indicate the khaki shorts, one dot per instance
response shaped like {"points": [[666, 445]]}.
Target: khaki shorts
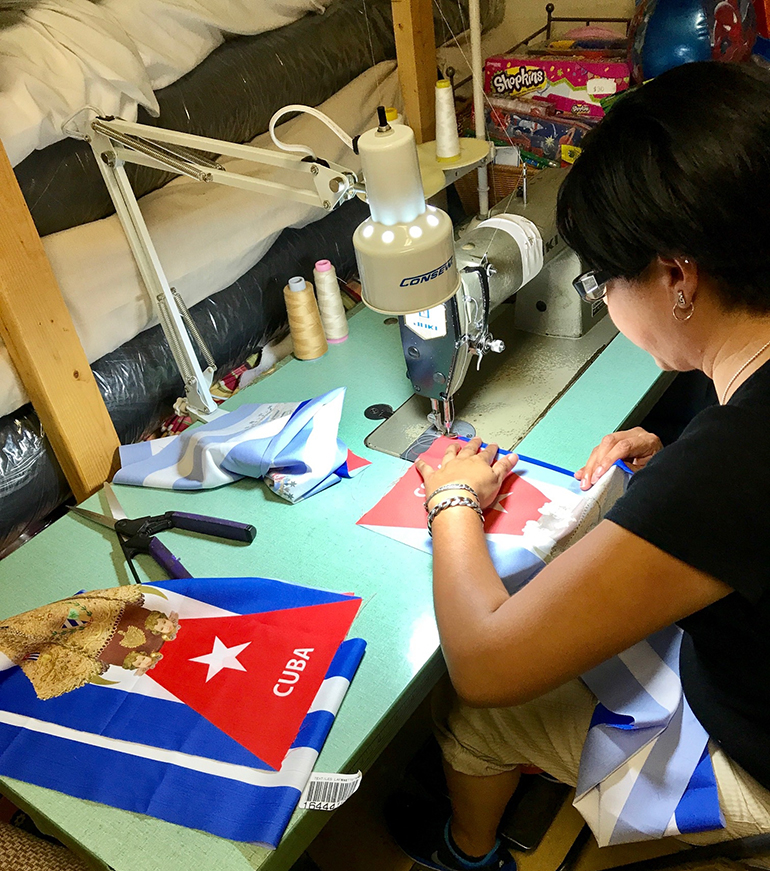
{"points": [[549, 732]]}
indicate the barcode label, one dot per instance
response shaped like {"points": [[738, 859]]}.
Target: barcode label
{"points": [[325, 792]]}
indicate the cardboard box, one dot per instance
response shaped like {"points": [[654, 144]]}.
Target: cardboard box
{"points": [[553, 137], [575, 85]]}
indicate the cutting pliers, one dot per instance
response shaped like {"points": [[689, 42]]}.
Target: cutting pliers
{"points": [[137, 535]]}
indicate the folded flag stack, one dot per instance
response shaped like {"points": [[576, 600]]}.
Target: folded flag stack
{"points": [[292, 445], [222, 734]]}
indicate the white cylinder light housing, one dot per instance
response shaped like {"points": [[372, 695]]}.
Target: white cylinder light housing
{"points": [[405, 250], [402, 272]]}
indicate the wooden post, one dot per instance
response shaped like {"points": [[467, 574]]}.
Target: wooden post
{"points": [[46, 351], [416, 56]]}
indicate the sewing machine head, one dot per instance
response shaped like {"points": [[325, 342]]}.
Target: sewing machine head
{"points": [[445, 292], [516, 252]]}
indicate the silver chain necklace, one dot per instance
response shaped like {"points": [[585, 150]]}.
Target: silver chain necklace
{"points": [[747, 363]]}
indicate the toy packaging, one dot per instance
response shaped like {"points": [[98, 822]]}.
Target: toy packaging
{"points": [[536, 128], [571, 84]]}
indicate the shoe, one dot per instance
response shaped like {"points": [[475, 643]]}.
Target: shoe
{"points": [[421, 830]]}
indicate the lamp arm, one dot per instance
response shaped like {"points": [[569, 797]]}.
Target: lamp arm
{"points": [[115, 142], [141, 143], [198, 400]]}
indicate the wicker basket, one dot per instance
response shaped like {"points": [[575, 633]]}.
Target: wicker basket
{"points": [[503, 180]]}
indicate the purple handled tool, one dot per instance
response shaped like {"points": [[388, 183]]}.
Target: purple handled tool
{"points": [[137, 535]]}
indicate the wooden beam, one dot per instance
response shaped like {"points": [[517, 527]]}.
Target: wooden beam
{"points": [[416, 56], [46, 351]]}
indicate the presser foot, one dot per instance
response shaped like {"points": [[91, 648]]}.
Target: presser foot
{"points": [[408, 432]]}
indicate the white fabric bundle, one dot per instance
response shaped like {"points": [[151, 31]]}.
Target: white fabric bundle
{"points": [[60, 58], [67, 54], [174, 37]]}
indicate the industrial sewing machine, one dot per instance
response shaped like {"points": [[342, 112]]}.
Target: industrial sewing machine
{"points": [[515, 251], [445, 291]]}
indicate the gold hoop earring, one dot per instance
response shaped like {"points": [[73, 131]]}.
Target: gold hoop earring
{"points": [[679, 310]]}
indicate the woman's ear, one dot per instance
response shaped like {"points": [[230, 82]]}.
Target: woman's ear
{"points": [[680, 275]]}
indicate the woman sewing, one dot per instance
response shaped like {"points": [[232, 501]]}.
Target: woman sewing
{"points": [[669, 205]]}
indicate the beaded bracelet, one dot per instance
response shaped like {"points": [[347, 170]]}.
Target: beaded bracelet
{"points": [[444, 487], [453, 502]]}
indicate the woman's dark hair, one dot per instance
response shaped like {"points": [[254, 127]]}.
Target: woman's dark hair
{"points": [[679, 167]]}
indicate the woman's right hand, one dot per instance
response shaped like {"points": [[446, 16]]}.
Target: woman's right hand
{"points": [[636, 447]]}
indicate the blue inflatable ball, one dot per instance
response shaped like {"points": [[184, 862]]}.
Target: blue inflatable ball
{"points": [[667, 33]]}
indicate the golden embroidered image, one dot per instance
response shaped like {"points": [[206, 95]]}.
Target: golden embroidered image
{"points": [[131, 637], [165, 625], [62, 646], [141, 661]]}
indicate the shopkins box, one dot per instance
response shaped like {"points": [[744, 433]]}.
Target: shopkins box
{"points": [[551, 136], [570, 84]]}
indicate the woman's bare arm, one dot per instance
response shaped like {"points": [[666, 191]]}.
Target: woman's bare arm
{"points": [[608, 591]]}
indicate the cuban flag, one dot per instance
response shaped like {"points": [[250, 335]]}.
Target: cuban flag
{"points": [[539, 510], [645, 771], [222, 735], [292, 445]]}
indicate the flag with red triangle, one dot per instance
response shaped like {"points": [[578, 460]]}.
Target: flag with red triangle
{"points": [[277, 660], [537, 505], [204, 739]]}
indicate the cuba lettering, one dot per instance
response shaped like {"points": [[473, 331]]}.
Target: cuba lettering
{"points": [[290, 674]]}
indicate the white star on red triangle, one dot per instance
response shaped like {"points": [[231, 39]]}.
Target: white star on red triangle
{"points": [[221, 657]]}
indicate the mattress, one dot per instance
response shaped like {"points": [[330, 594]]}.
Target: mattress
{"points": [[206, 236], [113, 55], [230, 96]]}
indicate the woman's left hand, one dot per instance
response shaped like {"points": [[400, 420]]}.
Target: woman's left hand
{"points": [[472, 465]]}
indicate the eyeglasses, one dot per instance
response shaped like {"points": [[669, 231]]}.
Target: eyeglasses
{"points": [[592, 285]]}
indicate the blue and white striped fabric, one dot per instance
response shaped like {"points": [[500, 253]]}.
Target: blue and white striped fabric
{"points": [[134, 746], [645, 771], [293, 445]]}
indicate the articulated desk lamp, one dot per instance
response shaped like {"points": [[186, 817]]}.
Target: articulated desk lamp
{"points": [[409, 264]]}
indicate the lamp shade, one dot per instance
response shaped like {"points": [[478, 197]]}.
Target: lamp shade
{"points": [[406, 268], [405, 251]]}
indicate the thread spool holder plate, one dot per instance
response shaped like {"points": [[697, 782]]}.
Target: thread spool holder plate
{"points": [[438, 175]]}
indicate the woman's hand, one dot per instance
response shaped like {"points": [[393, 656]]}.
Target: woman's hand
{"points": [[636, 447], [468, 464]]}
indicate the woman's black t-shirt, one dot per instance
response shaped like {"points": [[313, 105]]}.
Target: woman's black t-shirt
{"points": [[705, 499]]}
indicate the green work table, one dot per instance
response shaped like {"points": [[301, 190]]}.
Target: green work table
{"points": [[315, 543]]}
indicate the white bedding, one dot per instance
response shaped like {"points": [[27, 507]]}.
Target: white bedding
{"points": [[207, 236], [112, 55]]}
